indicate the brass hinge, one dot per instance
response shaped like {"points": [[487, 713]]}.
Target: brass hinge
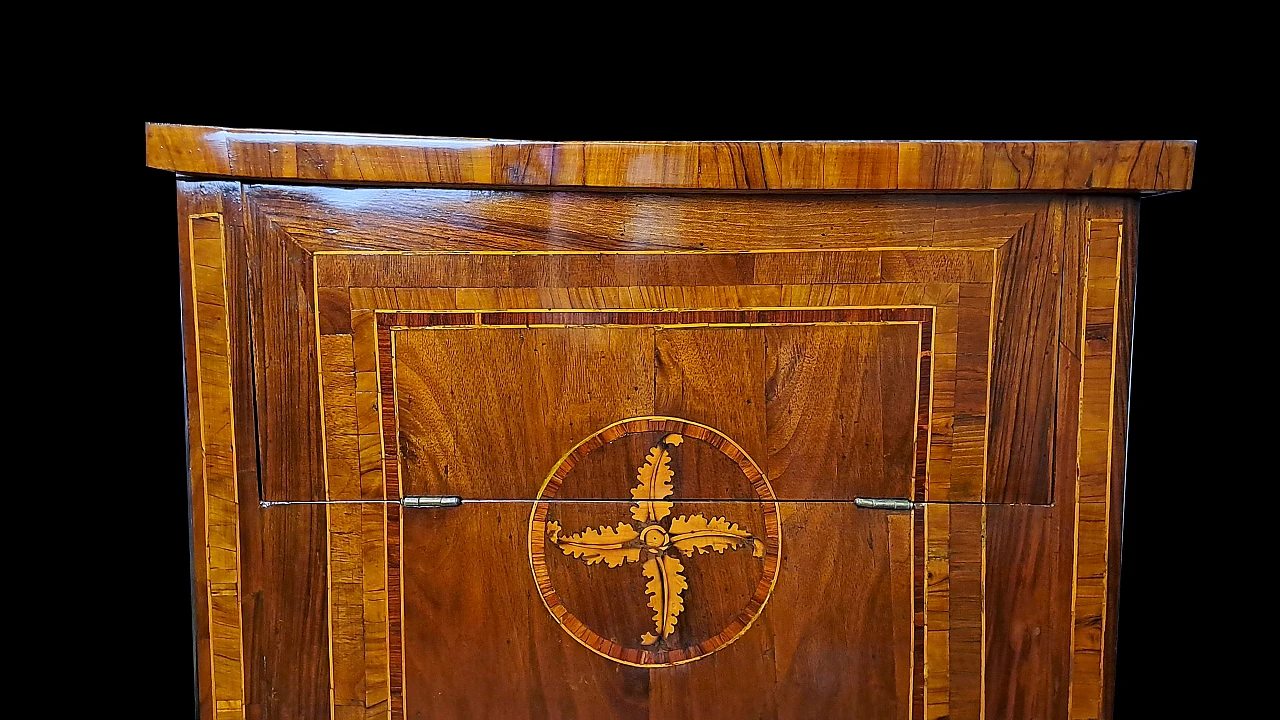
{"points": [[884, 503], [431, 501]]}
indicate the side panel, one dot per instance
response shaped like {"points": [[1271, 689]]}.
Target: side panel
{"points": [[260, 572], [1051, 572]]}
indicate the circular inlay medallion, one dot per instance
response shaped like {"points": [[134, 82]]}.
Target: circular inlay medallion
{"points": [[677, 572]]}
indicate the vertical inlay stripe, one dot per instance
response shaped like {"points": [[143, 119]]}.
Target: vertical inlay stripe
{"points": [[1099, 307], [206, 233]]}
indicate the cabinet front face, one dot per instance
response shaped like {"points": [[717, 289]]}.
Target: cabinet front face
{"points": [[658, 412]]}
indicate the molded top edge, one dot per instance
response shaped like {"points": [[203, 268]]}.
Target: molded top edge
{"points": [[1116, 166]]}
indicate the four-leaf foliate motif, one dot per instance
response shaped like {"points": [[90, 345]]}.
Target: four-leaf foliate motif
{"points": [[659, 543]]}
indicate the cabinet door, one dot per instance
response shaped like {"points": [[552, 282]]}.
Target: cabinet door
{"points": [[770, 359]]}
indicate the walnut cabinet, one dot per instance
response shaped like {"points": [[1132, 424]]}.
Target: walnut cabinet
{"points": [[500, 429]]}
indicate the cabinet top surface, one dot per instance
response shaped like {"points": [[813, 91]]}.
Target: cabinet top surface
{"points": [[1112, 166]]}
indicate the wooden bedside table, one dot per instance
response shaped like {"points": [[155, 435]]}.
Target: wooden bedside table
{"points": [[488, 428]]}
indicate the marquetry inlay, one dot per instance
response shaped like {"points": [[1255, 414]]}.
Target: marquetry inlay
{"points": [[657, 537]]}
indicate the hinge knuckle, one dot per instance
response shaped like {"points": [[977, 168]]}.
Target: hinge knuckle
{"points": [[431, 501], [884, 503]]}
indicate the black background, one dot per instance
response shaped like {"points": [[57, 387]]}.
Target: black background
{"points": [[1175, 578]]}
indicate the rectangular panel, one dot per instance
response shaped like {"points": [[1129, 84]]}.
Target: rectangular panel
{"points": [[828, 411], [479, 641]]}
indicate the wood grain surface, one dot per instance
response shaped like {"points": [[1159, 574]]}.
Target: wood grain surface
{"points": [[1096, 455], [189, 202], [215, 430], [759, 385], [286, 332], [796, 166], [325, 219], [969, 352], [962, 269], [480, 643], [282, 590], [1023, 376]]}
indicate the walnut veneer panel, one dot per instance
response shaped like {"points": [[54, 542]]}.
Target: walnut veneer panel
{"points": [[768, 386]]}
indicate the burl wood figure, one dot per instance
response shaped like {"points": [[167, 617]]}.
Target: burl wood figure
{"points": [[499, 429]]}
